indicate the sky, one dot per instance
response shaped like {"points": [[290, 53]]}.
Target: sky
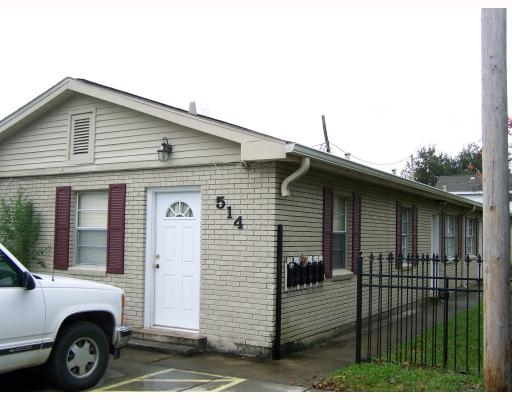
{"points": [[389, 80]]}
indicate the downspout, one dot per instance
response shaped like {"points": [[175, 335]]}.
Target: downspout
{"points": [[471, 211], [304, 167]]}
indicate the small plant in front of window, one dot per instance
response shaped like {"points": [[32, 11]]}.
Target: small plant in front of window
{"points": [[19, 229]]}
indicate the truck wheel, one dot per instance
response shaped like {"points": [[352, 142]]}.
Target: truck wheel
{"points": [[79, 357]]}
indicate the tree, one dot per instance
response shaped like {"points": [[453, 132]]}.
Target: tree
{"points": [[19, 228], [428, 166], [469, 160]]}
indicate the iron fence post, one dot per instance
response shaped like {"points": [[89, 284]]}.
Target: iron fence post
{"points": [[445, 321], [276, 351]]}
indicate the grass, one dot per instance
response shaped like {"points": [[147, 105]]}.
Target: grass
{"points": [[422, 351], [391, 377], [401, 375]]}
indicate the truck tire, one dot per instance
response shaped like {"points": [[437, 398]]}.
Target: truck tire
{"points": [[79, 357]]}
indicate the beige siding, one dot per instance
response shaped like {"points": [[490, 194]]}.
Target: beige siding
{"points": [[124, 137], [41, 145]]}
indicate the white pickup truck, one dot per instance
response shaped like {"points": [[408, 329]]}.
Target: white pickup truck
{"points": [[68, 325]]}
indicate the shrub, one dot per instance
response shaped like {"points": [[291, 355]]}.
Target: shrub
{"points": [[19, 229]]}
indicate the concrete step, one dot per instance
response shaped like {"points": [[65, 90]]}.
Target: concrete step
{"points": [[167, 341], [164, 348]]}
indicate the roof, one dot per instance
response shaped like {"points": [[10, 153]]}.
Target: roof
{"points": [[254, 146], [462, 183], [99, 85], [251, 141]]}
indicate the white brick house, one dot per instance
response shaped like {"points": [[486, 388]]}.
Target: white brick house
{"points": [[192, 240]]}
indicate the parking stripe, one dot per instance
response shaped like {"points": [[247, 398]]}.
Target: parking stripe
{"points": [[234, 382], [230, 381], [140, 378], [178, 380], [201, 373]]}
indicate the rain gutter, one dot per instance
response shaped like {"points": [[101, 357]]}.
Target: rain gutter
{"points": [[383, 177]]}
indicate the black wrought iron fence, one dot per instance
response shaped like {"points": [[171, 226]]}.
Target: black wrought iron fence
{"points": [[421, 310]]}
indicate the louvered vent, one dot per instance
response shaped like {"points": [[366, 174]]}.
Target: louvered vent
{"points": [[81, 133], [81, 137]]}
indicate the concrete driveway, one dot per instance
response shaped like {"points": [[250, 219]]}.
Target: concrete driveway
{"points": [[140, 370]]}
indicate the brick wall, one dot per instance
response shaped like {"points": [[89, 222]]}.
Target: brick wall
{"points": [[237, 311], [237, 265], [312, 314]]}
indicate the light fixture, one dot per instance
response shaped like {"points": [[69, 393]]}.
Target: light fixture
{"points": [[165, 150]]}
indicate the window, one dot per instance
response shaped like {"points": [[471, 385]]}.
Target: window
{"points": [[449, 236], [406, 235], [91, 228], [81, 137], [469, 237], [339, 232], [8, 272], [99, 238], [179, 210], [405, 231]]}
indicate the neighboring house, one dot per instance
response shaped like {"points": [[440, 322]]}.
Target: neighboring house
{"points": [[192, 240], [468, 186]]}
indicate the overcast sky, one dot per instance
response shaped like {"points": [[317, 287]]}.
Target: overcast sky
{"points": [[388, 80]]}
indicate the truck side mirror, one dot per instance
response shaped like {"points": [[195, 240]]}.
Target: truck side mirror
{"points": [[27, 281]]}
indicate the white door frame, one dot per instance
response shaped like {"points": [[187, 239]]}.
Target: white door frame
{"points": [[149, 289]]}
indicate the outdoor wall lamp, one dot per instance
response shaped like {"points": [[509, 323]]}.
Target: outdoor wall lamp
{"points": [[165, 150]]}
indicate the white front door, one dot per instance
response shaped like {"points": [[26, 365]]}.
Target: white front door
{"points": [[177, 259]]}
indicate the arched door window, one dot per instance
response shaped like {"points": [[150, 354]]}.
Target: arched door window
{"points": [[179, 209]]}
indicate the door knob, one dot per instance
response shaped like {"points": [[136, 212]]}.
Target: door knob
{"points": [[157, 265]]}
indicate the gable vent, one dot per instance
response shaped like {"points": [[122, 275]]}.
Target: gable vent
{"points": [[81, 133], [82, 137]]}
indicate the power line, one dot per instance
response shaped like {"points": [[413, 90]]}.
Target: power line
{"points": [[369, 162]]}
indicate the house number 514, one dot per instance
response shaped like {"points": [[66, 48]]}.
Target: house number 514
{"points": [[221, 203]]}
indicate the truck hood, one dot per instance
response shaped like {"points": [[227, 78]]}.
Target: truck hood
{"points": [[47, 281]]}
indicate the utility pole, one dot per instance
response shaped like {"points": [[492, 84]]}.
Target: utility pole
{"points": [[412, 167], [496, 209], [327, 144]]}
